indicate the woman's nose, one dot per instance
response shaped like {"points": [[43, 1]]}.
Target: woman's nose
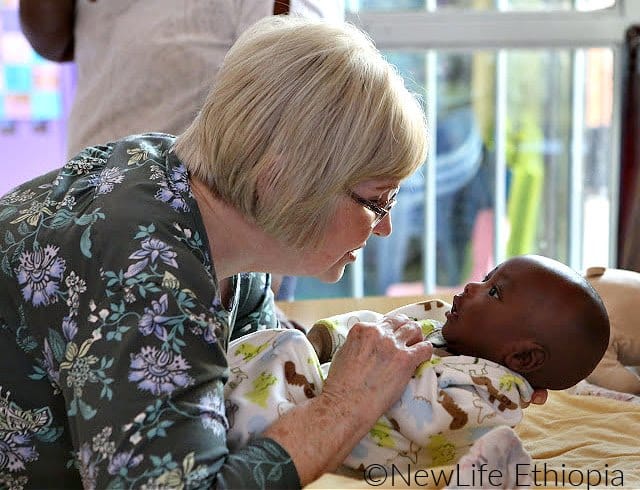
{"points": [[384, 227]]}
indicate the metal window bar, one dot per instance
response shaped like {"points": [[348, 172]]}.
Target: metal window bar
{"points": [[576, 175], [616, 131], [500, 191], [500, 183], [433, 29], [429, 238]]}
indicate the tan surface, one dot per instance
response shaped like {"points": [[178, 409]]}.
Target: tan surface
{"points": [[575, 436], [584, 433]]}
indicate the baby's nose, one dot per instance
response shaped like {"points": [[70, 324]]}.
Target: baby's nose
{"points": [[471, 287]]}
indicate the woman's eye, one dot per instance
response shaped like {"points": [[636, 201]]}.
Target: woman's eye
{"points": [[494, 292]]}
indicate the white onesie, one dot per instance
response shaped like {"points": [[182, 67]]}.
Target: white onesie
{"points": [[450, 402]]}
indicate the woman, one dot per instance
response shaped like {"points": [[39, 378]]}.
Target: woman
{"points": [[125, 273]]}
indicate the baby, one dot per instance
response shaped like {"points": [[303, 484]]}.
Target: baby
{"points": [[532, 323]]}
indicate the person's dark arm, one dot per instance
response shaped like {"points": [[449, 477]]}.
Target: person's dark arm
{"points": [[48, 25]]}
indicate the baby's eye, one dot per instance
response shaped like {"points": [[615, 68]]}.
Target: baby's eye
{"points": [[494, 292]]}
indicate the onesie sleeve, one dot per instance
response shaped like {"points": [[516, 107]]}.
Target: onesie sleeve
{"points": [[329, 334]]}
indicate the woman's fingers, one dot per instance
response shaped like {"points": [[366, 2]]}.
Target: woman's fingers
{"points": [[407, 336], [409, 333], [377, 358], [396, 321], [423, 351], [406, 330]]}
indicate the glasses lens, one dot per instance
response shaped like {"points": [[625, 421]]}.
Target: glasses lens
{"points": [[380, 211], [392, 200]]}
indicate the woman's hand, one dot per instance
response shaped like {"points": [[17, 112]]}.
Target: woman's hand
{"points": [[372, 368], [368, 374]]}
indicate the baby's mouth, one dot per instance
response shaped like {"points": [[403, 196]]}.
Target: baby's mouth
{"points": [[454, 311]]}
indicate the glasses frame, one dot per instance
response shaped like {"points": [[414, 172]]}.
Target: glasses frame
{"points": [[381, 211]]}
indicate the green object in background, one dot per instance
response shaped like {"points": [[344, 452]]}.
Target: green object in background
{"points": [[525, 202]]}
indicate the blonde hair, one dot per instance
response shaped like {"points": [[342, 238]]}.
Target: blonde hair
{"points": [[300, 112]]}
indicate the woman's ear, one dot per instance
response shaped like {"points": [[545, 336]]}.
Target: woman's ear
{"points": [[526, 356]]}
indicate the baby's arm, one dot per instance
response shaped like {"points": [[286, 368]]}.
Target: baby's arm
{"points": [[329, 334]]}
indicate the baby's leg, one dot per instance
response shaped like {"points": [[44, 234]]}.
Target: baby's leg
{"points": [[383, 446], [271, 371], [499, 451]]}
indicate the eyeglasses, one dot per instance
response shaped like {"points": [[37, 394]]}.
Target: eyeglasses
{"points": [[380, 211]]}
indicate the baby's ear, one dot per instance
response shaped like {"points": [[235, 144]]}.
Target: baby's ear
{"points": [[526, 356]]}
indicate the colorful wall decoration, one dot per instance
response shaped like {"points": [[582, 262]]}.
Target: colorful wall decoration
{"points": [[29, 84]]}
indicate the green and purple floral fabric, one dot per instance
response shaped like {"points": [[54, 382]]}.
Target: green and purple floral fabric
{"points": [[113, 337]]}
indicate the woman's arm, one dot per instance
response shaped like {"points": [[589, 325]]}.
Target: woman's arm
{"points": [[49, 25]]}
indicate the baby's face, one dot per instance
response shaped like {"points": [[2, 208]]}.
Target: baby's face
{"points": [[502, 308]]}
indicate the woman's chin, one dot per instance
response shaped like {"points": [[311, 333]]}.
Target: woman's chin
{"points": [[335, 272], [332, 275]]}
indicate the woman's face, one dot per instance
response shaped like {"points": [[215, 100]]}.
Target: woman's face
{"points": [[348, 231]]}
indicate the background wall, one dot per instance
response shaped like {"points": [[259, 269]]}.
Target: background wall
{"points": [[35, 97]]}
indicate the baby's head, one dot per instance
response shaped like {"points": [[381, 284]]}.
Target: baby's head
{"points": [[535, 316]]}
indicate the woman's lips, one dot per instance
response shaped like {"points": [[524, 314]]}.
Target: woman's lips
{"points": [[352, 254]]}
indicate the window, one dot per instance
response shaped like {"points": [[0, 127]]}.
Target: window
{"points": [[523, 99]]}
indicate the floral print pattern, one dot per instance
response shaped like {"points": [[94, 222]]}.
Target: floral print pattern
{"points": [[105, 181], [151, 249], [159, 371], [39, 275], [114, 327], [18, 429], [153, 320], [172, 189], [16, 449]]}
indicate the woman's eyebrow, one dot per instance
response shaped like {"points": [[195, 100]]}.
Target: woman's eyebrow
{"points": [[388, 185]]}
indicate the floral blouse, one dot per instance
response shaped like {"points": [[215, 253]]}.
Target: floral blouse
{"points": [[112, 334]]}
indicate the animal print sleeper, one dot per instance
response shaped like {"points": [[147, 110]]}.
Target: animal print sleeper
{"points": [[450, 402]]}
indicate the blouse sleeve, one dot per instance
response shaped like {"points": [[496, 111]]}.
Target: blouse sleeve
{"points": [[143, 382]]}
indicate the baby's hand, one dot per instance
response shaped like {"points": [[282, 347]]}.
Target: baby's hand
{"points": [[539, 396], [320, 339]]}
